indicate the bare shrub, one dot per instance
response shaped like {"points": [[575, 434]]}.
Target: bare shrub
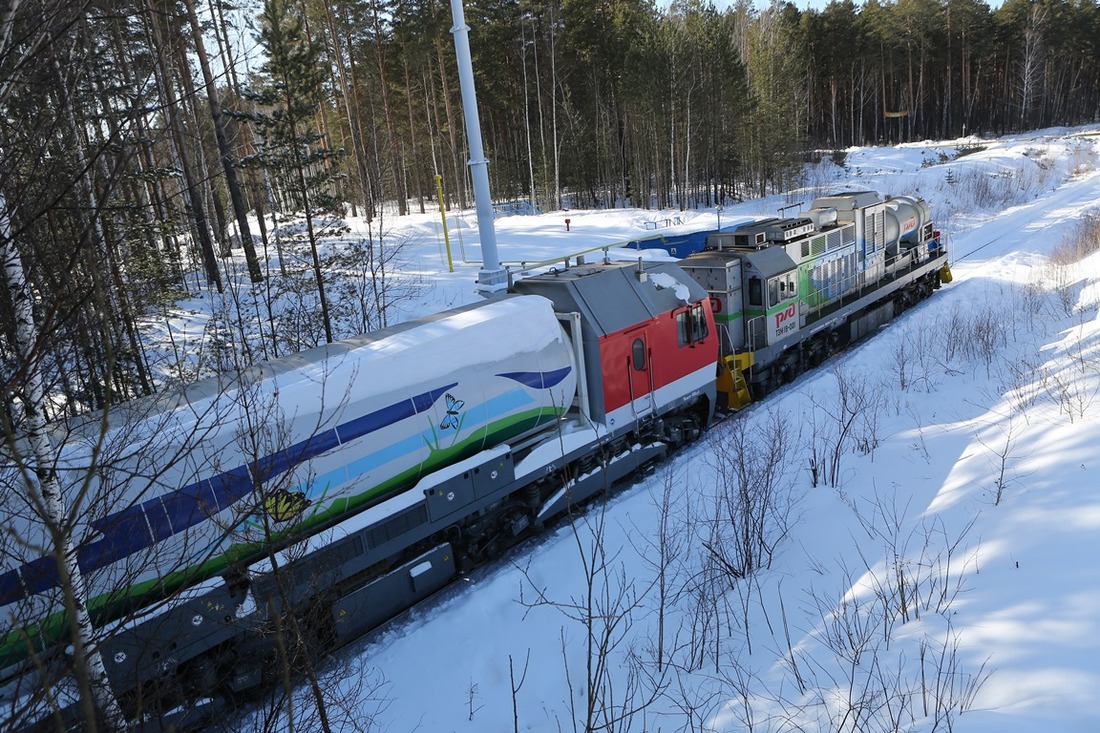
{"points": [[1002, 455], [947, 690], [978, 188], [664, 553], [1072, 384], [953, 330], [984, 336], [884, 691], [754, 499], [1084, 158], [1081, 242], [923, 566], [1062, 282], [847, 419], [1021, 381], [617, 685], [918, 357], [849, 626], [866, 680], [903, 363], [1059, 275], [1032, 301]]}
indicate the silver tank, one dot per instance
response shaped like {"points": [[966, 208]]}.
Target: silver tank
{"points": [[905, 218]]}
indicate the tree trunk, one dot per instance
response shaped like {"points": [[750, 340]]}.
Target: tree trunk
{"points": [[45, 498], [198, 212], [351, 109], [418, 185], [240, 211], [396, 168], [452, 125], [205, 180], [108, 250]]}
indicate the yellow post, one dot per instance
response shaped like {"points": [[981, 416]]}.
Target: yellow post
{"points": [[443, 215]]}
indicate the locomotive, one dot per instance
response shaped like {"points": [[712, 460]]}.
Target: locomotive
{"points": [[788, 292], [342, 485]]}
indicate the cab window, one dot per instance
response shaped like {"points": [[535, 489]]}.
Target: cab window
{"points": [[691, 325]]}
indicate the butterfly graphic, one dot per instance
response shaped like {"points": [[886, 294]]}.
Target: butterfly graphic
{"points": [[454, 406]]}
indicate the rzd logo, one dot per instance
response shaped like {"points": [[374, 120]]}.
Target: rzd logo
{"points": [[784, 315]]}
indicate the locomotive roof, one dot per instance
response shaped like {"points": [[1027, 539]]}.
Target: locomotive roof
{"points": [[770, 261], [612, 297], [712, 258], [847, 200]]}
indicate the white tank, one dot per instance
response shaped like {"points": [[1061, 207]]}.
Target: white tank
{"points": [[189, 479], [905, 217]]}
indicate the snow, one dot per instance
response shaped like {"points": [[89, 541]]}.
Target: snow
{"points": [[946, 577], [571, 437], [461, 341], [665, 281]]}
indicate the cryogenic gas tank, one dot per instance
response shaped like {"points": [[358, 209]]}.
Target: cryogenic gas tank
{"points": [[905, 217], [191, 481]]}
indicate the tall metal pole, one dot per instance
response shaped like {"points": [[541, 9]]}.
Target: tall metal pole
{"points": [[492, 277]]}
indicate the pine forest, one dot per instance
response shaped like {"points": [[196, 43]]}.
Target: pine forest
{"points": [[138, 148]]}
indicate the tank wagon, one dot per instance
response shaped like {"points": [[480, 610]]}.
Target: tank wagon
{"points": [[342, 485], [336, 487]]}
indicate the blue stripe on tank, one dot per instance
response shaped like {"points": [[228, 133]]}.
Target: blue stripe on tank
{"points": [[142, 525], [394, 413], [539, 380]]}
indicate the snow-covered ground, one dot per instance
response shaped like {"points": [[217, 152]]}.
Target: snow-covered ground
{"points": [[939, 574]]}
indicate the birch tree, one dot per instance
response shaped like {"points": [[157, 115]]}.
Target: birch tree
{"points": [[44, 490]]}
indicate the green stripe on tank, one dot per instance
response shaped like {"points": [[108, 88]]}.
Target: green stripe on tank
{"points": [[20, 644]]}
